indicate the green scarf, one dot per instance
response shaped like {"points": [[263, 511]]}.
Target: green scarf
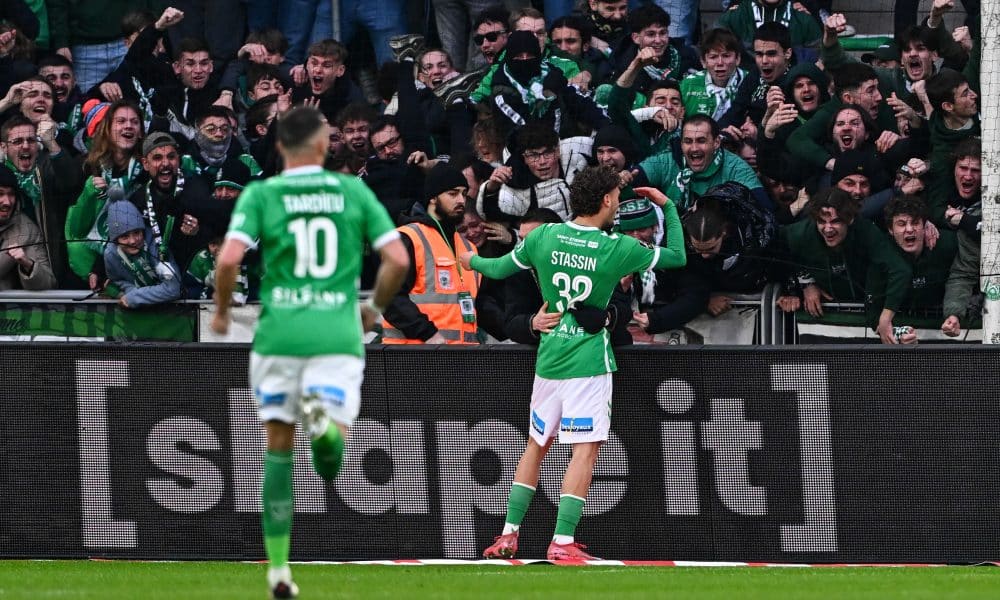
{"points": [[30, 186], [723, 95], [673, 63], [533, 96], [141, 267], [687, 176]]}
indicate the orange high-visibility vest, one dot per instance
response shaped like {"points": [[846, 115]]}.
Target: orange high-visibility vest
{"points": [[437, 286]]}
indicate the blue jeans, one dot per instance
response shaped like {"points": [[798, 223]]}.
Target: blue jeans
{"points": [[304, 22], [683, 18], [382, 18], [93, 62]]}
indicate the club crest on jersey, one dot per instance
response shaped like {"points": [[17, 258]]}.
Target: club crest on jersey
{"points": [[444, 278]]}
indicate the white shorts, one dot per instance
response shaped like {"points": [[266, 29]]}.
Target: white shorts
{"points": [[279, 382], [579, 409]]}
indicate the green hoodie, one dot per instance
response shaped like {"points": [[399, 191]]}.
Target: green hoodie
{"points": [[930, 273], [846, 272], [79, 22], [743, 21], [806, 142], [944, 140]]}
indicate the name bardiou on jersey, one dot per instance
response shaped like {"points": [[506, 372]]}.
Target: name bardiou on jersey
{"points": [[574, 261], [319, 202]]}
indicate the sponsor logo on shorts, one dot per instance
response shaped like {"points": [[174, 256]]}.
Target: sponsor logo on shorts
{"points": [[577, 425], [537, 423], [266, 399], [329, 394]]}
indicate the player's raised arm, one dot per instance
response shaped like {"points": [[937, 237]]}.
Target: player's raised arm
{"points": [[494, 268], [672, 256]]}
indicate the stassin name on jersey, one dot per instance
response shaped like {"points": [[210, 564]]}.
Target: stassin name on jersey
{"points": [[320, 202], [574, 261]]}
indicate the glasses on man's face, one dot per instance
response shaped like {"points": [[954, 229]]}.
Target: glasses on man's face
{"points": [[388, 143], [22, 141], [214, 129], [490, 37], [533, 156]]}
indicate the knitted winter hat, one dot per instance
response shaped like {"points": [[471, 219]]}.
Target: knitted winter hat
{"points": [[123, 217], [860, 162], [443, 177], [522, 41], [636, 214], [7, 178], [616, 137], [93, 112]]}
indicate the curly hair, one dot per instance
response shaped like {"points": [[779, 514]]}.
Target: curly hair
{"points": [[912, 206], [586, 193]]}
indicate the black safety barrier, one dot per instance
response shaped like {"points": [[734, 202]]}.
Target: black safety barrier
{"points": [[812, 454]]}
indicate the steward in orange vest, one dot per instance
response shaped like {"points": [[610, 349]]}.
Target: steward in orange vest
{"points": [[437, 301]]}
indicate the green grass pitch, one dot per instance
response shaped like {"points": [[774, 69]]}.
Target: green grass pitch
{"points": [[112, 580]]}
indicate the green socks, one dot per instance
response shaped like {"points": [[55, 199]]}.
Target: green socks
{"points": [[517, 505], [570, 511], [328, 452], [278, 506]]}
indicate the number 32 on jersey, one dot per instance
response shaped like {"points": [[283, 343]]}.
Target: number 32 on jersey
{"points": [[576, 289]]}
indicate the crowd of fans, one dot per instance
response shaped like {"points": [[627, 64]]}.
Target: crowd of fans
{"points": [[129, 130]]}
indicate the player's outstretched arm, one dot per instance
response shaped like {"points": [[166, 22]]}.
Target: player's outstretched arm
{"points": [[494, 268], [388, 279], [672, 256], [227, 267]]}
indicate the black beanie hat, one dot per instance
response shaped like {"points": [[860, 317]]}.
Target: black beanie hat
{"points": [[7, 178], [522, 41], [443, 177], [860, 162], [617, 137]]}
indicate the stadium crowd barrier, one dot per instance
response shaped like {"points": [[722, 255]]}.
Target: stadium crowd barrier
{"points": [[805, 454]]}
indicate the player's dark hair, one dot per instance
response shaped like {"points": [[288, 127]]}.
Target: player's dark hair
{"points": [[646, 16], [838, 200], [298, 126], [773, 31], [912, 206], [586, 193]]}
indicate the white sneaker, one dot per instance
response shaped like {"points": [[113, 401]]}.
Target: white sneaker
{"points": [[281, 584]]}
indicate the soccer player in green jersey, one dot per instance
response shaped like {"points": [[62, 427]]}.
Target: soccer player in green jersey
{"points": [[308, 356], [578, 266]]}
